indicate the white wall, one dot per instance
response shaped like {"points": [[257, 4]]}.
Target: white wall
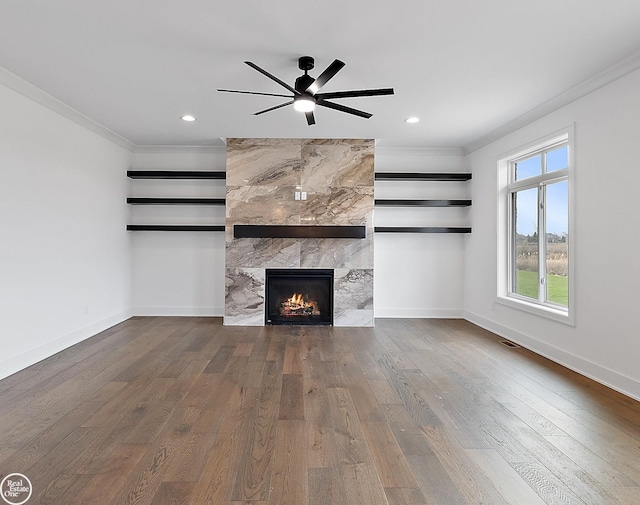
{"points": [[419, 274], [178, 273], [604, 343], [64, 252]]}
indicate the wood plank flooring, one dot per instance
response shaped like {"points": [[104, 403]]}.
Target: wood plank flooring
{"points": [[411, 412]]}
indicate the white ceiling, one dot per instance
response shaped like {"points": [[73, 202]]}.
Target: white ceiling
{"points": [[465, 67]]}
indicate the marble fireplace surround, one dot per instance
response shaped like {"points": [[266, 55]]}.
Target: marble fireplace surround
{"points": [[263, 176]]}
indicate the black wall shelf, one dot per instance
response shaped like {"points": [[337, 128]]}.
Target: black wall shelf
{"points": [[422, 229], [423, 203], [176, 174], [174, 227], [422, 176], [176, 201], [429, 177]]}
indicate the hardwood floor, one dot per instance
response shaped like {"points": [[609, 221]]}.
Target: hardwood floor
{"points": [[411, 412]]}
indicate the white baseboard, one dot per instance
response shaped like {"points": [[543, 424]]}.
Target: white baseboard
{"points": [[21, 361], [179, 311], [610, 378], [382, 312]]}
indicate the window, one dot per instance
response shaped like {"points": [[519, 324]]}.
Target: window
{"points": [[535, 231]]}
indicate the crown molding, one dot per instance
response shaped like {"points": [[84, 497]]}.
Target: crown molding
{"points": [[35, 94], [166, 149], [607, 76], [424, 151]]}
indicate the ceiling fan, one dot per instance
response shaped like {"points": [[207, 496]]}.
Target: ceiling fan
{"points": [[305, 94]]}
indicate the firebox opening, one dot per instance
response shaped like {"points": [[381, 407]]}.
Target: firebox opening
{"points": [[299, 296]]}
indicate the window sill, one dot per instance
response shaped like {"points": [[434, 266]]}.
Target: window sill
{"points": [[558, 315]]}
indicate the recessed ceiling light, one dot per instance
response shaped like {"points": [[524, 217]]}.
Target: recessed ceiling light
{"points": [[188, 117], [412, 119]]}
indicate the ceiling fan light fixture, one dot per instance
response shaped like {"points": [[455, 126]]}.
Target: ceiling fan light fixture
{"points": [[304, 104], [188, 117]]}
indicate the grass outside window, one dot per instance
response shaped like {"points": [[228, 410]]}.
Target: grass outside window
{"points": [[557, 286]]}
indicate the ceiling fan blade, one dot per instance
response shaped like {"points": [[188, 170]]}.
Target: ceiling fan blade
{"points": [[272, 108], [324, 77], [272, 77], [356, 93], [253, 93], [311, 120], [342, 108]]}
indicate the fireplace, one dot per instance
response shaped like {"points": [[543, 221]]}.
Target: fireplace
{"points": [[299, 296]]}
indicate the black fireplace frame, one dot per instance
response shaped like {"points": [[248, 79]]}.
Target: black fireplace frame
{"points": [[322, 320]]}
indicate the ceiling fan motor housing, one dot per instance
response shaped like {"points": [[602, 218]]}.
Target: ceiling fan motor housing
{"points": [[305, 63]]}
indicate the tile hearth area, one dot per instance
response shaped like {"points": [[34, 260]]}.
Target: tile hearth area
{"points": [[267, 182]]}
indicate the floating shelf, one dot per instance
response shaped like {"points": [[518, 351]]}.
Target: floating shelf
{"points": [[422, 176], [422, 229], [174, 227], [175, 174], [423, 203], [176, 201]]}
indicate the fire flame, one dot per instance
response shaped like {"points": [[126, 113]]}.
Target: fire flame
{"points": [[296, 305], [296, 299]]}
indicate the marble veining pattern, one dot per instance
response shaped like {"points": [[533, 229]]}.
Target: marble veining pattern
{"points": [[262, 178], [244, 296], [262, 205], [353, 317], [264, 253], [340, 206], [323, 253], [337, 165], [352, 289], [261, 163]]}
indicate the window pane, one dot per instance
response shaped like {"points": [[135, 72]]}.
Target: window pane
{"points": [[526, 276], [557, 242], [558, 159], [528, 167]]}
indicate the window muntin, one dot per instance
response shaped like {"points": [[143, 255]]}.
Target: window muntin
{"points": [[539, 226], [540, 163]]}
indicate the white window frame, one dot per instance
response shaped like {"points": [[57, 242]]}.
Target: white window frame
{"points": [[506, 240]]}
